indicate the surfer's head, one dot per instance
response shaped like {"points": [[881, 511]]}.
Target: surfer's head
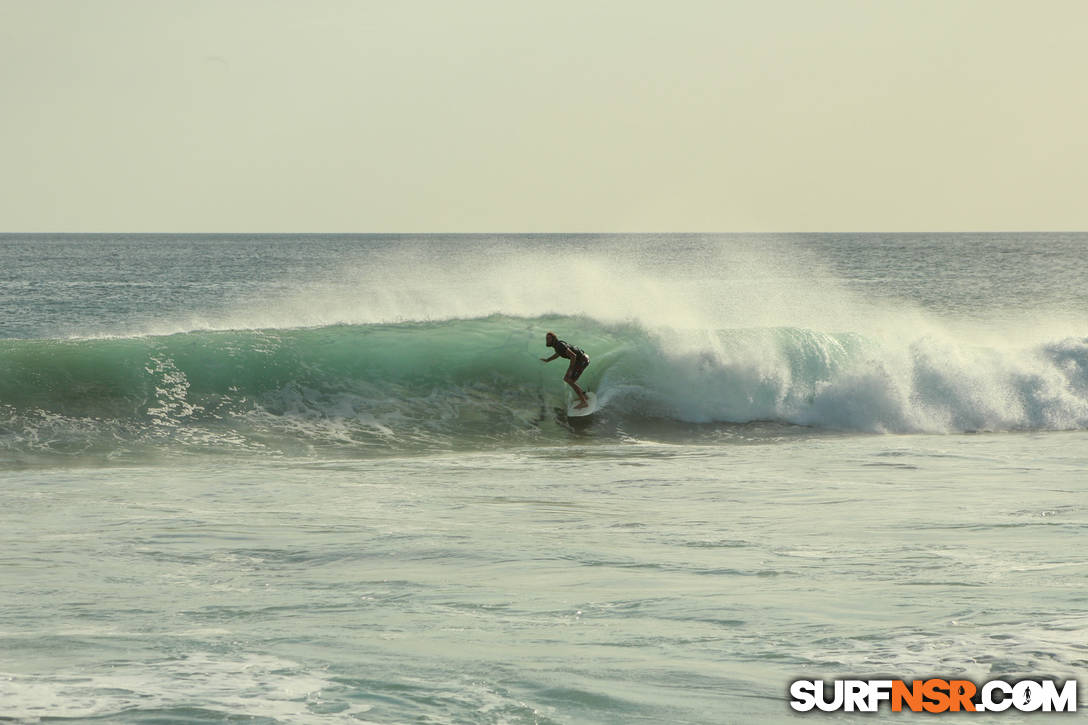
{"points": [[549, 339]]}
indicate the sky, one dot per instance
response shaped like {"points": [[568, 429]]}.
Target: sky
{"points": [[352, 116]]}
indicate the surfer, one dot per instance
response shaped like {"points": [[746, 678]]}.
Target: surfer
{"points": [[579, 361]]}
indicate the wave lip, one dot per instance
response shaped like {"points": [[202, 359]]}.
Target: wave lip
{"points": [[453, 384]]}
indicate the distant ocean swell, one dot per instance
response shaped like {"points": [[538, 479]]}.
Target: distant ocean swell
{"points": [[464, 384]]}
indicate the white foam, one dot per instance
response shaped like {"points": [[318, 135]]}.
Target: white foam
{"points": [[250, 685], [929, 384]]}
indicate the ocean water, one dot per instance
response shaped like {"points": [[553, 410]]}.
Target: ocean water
{"points": [[327, 479]]}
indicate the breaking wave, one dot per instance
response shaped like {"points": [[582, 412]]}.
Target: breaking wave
{"points": [[379, 389]]}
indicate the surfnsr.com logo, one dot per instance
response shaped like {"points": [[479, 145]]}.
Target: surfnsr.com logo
{"points": [[933, 695]]}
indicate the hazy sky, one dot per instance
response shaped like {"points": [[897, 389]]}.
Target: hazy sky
{"points": [[509, 116]]}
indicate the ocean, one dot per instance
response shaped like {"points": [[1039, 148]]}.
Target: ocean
{"points": [[327, 479]]}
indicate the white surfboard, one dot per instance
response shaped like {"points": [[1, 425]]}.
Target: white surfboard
{"points": [[590, 409]]}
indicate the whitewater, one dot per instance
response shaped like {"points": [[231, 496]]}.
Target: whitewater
{"points": [[299, 478]]}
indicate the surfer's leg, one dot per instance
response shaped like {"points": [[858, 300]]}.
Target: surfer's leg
{"points": [[577, 367], [572, 374], [581, 394]]}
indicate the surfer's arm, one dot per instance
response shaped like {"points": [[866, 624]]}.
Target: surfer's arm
{"points": [[549, 359]]}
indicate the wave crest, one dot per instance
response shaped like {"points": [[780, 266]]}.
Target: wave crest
{"points": [[467, 383]]}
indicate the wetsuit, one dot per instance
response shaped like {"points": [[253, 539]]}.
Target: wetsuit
{"points": [[579, 361]]}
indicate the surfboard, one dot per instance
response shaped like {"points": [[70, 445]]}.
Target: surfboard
{"points": [[590, 409]]}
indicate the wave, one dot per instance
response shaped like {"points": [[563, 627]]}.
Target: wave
{"points": [[465, 384]]}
